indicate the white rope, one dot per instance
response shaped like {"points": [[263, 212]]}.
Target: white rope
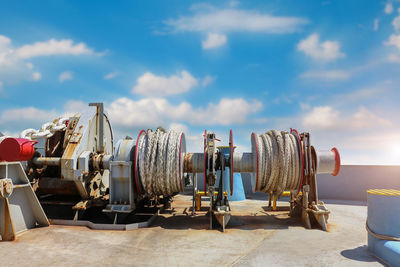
{"points": [[159, 162], [279, 162], [141, 157], [47, 130]]}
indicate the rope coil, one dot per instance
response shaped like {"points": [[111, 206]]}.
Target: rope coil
{"points": [[47, 130], [278, 162], [159, 162], [380, 236]]}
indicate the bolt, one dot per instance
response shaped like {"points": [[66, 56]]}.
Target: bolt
{"points": [[8, 188]]}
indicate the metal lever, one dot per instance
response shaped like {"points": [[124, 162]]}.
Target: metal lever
{"points": [[100, 128]]}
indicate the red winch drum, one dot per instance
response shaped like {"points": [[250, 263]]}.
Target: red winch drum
{"points": [[16, 149]]}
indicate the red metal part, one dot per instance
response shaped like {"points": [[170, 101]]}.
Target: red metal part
{"points": [[205, 144], [136, 162], [337, 161], [256, 143], [231, 161], [16, 149]]}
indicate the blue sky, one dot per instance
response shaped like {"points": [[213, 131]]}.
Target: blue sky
{"points": [[328, 67]]}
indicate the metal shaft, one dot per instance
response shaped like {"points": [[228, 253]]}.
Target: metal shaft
{"points": [[47, 161]]}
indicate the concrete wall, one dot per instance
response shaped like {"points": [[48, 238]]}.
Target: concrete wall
{"points": [[354, 180], [351, 184]]}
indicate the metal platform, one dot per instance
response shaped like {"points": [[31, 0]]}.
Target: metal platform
{"points": [[255, 236]]}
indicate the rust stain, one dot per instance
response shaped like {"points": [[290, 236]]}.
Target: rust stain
{"points": [[123, 181], [69, 151], [9, 231], [331, 227], [187, 162]]}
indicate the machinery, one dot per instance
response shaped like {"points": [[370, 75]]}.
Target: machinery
{"points": [[280, 162], [76, 162], [19, 208]]}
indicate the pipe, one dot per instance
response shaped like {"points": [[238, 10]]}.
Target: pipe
{"points": [[328, 161], [243, 162], [193, 163], [48, 161]]}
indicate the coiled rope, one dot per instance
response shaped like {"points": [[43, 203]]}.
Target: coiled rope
{"points": [[278, 160], [47, 130], [380, 236], [159, 163]]}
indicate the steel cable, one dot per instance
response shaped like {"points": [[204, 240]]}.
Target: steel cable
{"points": [[278, 162], [158, 162]]}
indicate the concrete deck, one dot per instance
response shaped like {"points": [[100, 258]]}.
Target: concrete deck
{"points": [[256, 237]]}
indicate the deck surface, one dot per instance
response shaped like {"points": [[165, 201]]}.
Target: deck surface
{"points": [[256, 237]]}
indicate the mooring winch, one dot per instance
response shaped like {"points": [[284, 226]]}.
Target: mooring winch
{"points": [[75, 161]]}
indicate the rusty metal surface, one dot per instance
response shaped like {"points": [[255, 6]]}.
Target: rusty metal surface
{"points": [[57, 186], [47, 161], [254, 237], [193, 163], [19, 208], [7, 230], [81, 138]]}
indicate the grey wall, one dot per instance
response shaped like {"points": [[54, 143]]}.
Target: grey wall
{"points": [[354, 180], [351, 184]]}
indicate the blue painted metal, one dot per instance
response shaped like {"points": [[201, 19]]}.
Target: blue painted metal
{"points": [[384, 219], [238, 189]]}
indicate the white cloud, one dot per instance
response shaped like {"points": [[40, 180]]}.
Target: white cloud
{"points": [[207, 80], [29, 65], [394, 40], [111, 75], [326, 51], [14, 66], [323, 117], [304, 106], [72, 107], [19, 118], [158, 111], [388, 8], [36, 76], [214, 40], [5, 49], [227, 111], [357, 96], [217, 23], [364, 119], [1, 86], [376, 24], [65, 76], [394, 58], [327, 118], [396, 23], [53, 47], [235, 20], [327, 75], [150, 84], [27, 114]]}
